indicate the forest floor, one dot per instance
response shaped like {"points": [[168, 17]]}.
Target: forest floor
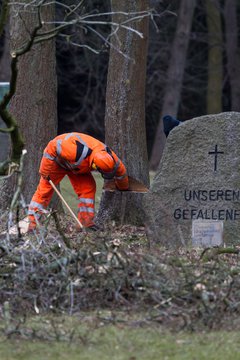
{"points": [[114, 295]]}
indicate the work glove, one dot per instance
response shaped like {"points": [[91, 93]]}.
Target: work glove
{"points": [[122, 184]]}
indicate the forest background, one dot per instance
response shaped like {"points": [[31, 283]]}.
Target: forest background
{"points": [[206, 76]]}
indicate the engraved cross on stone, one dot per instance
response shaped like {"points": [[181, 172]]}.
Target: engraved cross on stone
{"points": [[215, 152]]}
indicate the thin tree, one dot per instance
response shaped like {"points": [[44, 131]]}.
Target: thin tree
{"points": [[215, 57], [233, 52], [174, 78], [125, 107]]}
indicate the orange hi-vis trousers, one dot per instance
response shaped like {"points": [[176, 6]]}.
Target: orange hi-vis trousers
{"points": [[84, 186]]}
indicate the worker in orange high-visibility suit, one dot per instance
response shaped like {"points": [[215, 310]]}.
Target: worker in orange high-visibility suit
{"points": [[75, 155]]}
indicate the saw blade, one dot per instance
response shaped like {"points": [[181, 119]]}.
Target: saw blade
{"points": [[134, 186]]}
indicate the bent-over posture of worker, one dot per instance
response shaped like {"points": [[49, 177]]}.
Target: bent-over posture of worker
{"points": [[76, 155]]}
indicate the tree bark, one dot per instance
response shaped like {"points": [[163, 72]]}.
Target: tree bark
{"points": [[215, 58], [233, 52], [174, 79], [125, 111], [34, 103]]}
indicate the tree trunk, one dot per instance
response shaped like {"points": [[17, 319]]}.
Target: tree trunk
{"points": [[34, 103], [172, 94], [233, 52], [125, 111], [215, 58]]}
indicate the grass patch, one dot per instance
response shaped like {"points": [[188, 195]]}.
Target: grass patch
{"points": [[118, 342]]}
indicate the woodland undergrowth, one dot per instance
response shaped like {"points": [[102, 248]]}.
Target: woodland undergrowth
{"points": [[59, 270]]}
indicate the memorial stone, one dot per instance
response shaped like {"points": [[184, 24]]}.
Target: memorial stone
{"points": [[198, 179]]}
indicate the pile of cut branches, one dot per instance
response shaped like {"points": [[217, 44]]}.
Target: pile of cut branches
{"points": [[117, 269]]}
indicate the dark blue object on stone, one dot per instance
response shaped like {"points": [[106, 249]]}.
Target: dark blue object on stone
{"points": [[169, 122]]}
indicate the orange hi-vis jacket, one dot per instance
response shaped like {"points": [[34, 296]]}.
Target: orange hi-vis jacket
{"points": [[62, 157]]}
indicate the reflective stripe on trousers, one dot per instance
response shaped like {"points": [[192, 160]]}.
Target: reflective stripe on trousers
{"points": [[86, 211]]}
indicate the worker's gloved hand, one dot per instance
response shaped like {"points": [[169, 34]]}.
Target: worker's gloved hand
{"points": [[123, 184]]}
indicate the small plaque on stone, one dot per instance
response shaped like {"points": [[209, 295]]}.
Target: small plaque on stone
{"points": [[207, 233]]}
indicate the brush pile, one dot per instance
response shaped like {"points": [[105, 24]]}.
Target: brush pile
{"points": [[65, 271]]}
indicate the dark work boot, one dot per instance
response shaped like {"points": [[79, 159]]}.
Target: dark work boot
{"points": [[93, 227]]}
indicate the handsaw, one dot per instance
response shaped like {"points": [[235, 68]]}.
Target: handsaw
{"points": [[134, 186]]}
